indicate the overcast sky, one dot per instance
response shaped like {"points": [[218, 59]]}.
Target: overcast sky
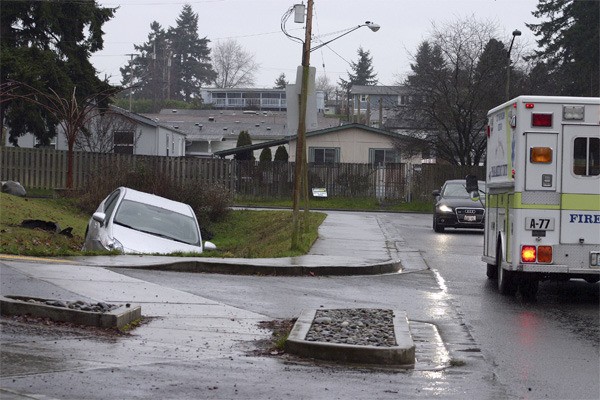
{"points": [[255, 24]]}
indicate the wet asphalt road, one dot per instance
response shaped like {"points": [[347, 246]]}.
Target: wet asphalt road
{"points": [[500, 347]]}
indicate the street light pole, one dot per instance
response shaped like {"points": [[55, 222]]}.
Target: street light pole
{"points": [[300, 165], [515, 33]]}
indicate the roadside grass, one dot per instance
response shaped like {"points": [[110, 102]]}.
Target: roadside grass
{"points": [[244, 234], [339, 203], [262, 234], [15, 239]]}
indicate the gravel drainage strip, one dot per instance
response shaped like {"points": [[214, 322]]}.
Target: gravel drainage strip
{"points": [[101, 315], [363, 335]]}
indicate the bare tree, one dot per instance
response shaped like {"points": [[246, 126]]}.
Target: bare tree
{"points": [[456, 76], [72, 113], [235, 67], [99, 134], [323, 84]]}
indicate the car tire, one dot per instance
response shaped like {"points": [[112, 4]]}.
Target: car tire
{"points": [[436, 227], [506, 279]]}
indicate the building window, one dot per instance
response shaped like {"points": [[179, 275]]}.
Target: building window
{"points": [[403, 100], [383, 156], [123, 142], [586, 156], [324, 155]]}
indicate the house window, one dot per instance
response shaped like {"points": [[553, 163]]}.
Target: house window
{"points": [[364, 98], [383, 156], [324, 155], [402, 100], [123, 142]]}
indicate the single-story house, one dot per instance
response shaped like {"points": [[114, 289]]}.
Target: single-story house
{"points": [[350, 143], [120, 131]]}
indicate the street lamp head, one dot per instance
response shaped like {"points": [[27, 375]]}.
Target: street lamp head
{"points": [[516, 32], [373, 26]]}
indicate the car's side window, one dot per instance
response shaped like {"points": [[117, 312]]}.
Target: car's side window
{"points": [[110, 204]]}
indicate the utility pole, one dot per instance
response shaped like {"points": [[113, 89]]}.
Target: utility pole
{"points": [[300, 170], [130, 77]]}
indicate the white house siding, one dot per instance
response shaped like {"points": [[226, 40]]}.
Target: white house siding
{"points": [[25, 141], [354, 144]]}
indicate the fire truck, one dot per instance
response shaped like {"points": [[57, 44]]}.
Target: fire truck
{"points": [[542, 208]]}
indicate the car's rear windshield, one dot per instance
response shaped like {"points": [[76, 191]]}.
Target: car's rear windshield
{"points": [[158, 221]]}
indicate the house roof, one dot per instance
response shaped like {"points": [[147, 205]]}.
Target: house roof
{"points": [[141, 119], [367, 128], [214, 125]]}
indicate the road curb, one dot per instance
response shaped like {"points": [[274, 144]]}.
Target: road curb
{"points": [[220, 266], [402, 355], [117, 318]]}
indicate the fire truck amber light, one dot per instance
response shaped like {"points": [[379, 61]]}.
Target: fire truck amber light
{"points": [[528, 254], [544, 254], [540, 155], [543, 120]]}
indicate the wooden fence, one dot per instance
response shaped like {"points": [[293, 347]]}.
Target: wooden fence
{"points": [[47, 169]]}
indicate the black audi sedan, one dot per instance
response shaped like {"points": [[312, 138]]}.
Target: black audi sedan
{"points": [[454, 207]]}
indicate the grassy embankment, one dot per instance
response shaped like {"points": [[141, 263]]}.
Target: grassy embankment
{"points": [[245, 233]]}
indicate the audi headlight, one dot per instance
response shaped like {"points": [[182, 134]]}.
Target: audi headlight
{"points": [[445, 209]]}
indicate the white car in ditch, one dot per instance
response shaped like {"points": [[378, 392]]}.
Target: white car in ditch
{"points": [[134, 222]]}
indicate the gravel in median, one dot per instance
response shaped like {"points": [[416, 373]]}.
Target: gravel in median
{"points": [[357, 326]]}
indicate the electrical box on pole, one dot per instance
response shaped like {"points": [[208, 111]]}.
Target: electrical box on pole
{"points": [[299, 11]]}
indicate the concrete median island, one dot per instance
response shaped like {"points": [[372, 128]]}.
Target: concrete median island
{"points": [[363, 336], [100, 315]]}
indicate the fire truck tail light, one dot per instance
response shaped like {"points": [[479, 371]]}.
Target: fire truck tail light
{"points": [[541, 120], [540, 155], [528, 254], [544, 254], [529, 105]]}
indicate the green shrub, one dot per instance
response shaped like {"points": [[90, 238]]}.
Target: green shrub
{"points": [[281, 154]]}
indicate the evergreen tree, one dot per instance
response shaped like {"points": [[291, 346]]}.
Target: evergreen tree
{"points": [[266, 156], [570, 45], [47, 45], [281, 154], [244, 139], [363, 71], [280, 82], [147, 71], [490, 74], [172, 64], [190, 57]]}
